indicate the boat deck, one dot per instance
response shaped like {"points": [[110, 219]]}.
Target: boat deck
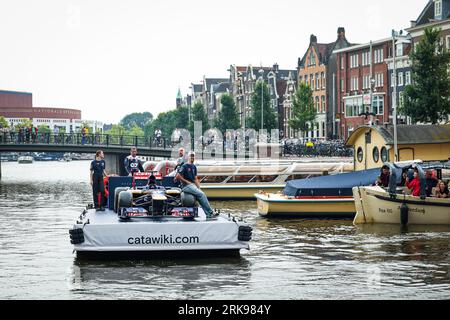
{"points": [[103, 232]]}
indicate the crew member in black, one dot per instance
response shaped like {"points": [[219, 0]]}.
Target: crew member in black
{"points": [[132, 163], [97, 174]]}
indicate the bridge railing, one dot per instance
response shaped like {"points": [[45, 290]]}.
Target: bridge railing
{"points": [[78, 139]]}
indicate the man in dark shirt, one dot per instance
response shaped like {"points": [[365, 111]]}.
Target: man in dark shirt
{"points": [[383, 179], [132, 163], [97, 173], [188, 177]]}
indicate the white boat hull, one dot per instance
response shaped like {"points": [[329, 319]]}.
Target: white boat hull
{"points": [[374, 205], [106, 234]]}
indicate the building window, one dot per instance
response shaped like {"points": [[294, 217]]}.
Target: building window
{"points": [[312, 60], [407, 78], [342, 85], [438, 8], [354, 84], [384, 155], [317, 105], [323, 105], [379, 56], [448, 42], [376, 154], [354, 61], [379, 80], [342, 62], [400, 79], [317, 81], [378, 105], [353, 107], [306, 79], [360, 155], [323, 80], [366, 82]]}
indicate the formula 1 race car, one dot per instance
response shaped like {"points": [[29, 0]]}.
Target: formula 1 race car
{"points": [[153, 200]]}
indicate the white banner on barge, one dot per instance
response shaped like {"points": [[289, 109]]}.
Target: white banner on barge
{"points": [[105, 233]]}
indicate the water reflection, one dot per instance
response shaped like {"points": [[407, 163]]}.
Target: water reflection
{"points": [[160, 279]]}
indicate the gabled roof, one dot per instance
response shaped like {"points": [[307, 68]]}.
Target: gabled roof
{"points": [[222, 87], [213, 81], [323, 50], [417, 134]]}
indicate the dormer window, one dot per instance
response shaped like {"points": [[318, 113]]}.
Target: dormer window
{"points": [[438, 9]]}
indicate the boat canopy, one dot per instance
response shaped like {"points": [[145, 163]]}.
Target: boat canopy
{"points": [[335, 185], [396, 170]]}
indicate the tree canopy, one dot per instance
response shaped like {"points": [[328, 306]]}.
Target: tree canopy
{"points": [[269, 114], [228, 118], [427, 99], [136, 119], [303, 111]]}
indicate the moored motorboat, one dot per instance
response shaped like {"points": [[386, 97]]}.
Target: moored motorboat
{"points": [[320, 197], [25, 160], [395, 205], [240, 180], [150, 220]]}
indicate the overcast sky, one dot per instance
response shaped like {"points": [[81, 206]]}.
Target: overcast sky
{"points": [[110, 58]]}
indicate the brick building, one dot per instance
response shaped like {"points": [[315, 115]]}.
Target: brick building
{"points": [[318, 68], [16, 106], [363, 85]]}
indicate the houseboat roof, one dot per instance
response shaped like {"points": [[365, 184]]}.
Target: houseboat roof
{"points": [[407, 134]]}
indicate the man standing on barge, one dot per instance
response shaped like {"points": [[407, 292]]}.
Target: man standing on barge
{"points": [[97, 173]]}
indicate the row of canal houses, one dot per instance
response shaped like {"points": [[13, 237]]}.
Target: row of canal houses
{"points": [[353, 84]]}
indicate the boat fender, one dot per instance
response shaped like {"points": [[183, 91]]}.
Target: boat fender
{"points": [[245, 233], [76, 236], [404, 214]]}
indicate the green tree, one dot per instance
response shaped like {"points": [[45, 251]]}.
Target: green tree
{"points": [[198, 114], [303, 111], [43, 128], [3, 123], [25, 123], [269, 115], [167, 122], [116, 130], [136, 131], [228, 118], [136, 119], [427, 99]]}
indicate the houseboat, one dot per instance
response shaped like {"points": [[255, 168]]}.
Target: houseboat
{"points": [[395, 205]]}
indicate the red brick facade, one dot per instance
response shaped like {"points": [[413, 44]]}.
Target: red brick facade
{"points": [[353, 86], [20, 105]]}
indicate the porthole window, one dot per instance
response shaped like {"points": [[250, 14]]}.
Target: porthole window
{"points": [[376, 154], [360, 154], [384, 154]]}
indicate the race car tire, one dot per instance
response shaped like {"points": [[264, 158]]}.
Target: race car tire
{"points": [[117, 191], [187, 200], [125, 200]]}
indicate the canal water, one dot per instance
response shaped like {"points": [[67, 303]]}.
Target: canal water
{"points": [[289, 259]]}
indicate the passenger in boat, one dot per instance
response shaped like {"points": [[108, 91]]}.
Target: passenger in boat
{"points": [[97, 173], [441, 190], [431, 182], [414, 184], [132, 163], [404, 177], [189, 179], [383, 179]]}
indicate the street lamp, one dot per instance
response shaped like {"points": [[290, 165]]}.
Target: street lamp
{"points": [[394, 98], [261, 72]]}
